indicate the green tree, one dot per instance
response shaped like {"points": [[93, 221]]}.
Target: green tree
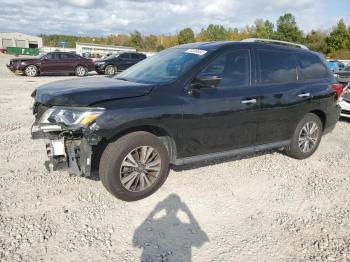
{"points": [[317, 41], [213, 33], [186, 36], [287, 29], [263, 29], [339, 37], [150, 43], [160, 48], [136, 39]]}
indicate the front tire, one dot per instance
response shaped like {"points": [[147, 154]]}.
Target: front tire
{"points": [[110, 70], [134, 166], [80, 71], [31, 71], [306, 138]]}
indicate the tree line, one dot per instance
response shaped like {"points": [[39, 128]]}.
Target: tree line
{"points": [[333, 44]]}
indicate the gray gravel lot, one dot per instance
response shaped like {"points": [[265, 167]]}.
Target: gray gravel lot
{"points": [[264, 207]]}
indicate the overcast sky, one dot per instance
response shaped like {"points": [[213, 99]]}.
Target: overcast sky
{"points": [[102, 17]]}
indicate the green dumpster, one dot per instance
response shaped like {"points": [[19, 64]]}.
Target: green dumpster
{"points": [[22, 51]]}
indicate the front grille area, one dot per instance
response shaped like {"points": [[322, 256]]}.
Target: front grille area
{"points": [[347, 112]]}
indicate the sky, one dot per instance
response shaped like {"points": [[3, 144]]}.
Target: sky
{"points": [[102, 17]]}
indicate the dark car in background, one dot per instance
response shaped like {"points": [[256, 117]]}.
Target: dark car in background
{"points": [[188, 104], [117, 62], [53, 62]]}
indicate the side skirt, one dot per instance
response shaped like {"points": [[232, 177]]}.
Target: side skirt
{"points": [[231, 153]]}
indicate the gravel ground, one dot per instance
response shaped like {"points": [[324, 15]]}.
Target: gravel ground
{"points": [[265, 207]]}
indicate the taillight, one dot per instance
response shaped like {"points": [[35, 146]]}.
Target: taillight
{"points": [[338, 88]]}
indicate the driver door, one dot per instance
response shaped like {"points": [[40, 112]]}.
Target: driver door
{"points": [[223, 117], [49, 63]]}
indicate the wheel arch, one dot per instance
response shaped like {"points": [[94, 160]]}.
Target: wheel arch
{"points": [[80, 65], [166, 138], [321, 115]]}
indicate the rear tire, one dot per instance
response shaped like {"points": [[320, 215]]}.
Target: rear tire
{"points": [[124, 173], [31, 71], [80, 71], [306, 138]]}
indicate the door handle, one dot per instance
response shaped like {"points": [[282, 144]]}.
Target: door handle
{"points": [[304, 95], [249, 101]]}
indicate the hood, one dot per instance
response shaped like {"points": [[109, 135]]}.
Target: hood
{"points": [[88, 91], [22, 59]]}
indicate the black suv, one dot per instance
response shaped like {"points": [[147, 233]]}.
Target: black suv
{"points": [[117, 62], [189, 103]]}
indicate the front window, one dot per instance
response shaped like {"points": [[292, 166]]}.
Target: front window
{"points": [[233, 68], [163, 67]]}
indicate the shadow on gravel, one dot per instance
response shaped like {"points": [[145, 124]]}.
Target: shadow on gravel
{"points": [[169, 232]]}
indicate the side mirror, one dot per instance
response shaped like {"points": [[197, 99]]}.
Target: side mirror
{"points": [[206, 81]]}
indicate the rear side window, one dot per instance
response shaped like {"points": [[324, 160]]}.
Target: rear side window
{"points": [[310, 67], [135, 56], [124, 56], [276, 67], [68, 56]]}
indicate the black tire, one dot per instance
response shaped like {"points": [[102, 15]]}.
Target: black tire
{"points": [[80, 71], [31, 71], [294, 150], [112, 159], [110, 70]]}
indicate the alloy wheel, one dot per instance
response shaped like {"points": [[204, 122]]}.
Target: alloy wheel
{"points": [[308, 137], [140, 168], [31, 71], [110, 70], [80, 71]]}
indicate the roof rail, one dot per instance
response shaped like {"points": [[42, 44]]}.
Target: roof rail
{"points": [[274, 42]]}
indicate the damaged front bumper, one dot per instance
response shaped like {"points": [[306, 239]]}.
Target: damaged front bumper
{"points": [[62, 145]]}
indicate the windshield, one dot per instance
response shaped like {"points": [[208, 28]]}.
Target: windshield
{"points": [[164, 66], [112, 55], [40, 56]]}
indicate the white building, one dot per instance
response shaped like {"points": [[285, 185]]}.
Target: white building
{"points": [[101, 50], [15, 39]]}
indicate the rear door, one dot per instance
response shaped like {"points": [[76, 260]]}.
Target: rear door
{"points": [[283, 99], [135, 58], [68, 62], [124, 61]]}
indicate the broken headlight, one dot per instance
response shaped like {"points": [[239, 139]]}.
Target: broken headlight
{"points": [[70, 116]]}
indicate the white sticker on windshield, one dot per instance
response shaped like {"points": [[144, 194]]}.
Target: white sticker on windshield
{"points": [[196, 51]]}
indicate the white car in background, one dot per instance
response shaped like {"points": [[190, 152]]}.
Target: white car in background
{"points": [[343, 77], [345, 102]]}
